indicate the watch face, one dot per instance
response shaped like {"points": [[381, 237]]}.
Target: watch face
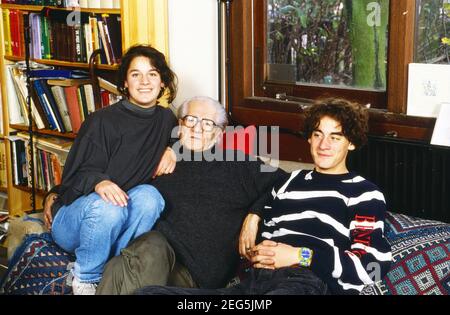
{"points": [[306, 253], [305, 257]]}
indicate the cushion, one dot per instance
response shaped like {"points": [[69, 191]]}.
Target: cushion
{"points": [[421, 257], [38, 267], [19, 227], [242, 139]]}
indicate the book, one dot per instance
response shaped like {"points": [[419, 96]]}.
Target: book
{"points": [[3, 164], [15, 112], [45, 105], [67, 82], [60, 98], [36, 32], [23, 91], [105, 84], [53, 106], [83, 102], [73, 107], [59, 73], [94, 4], [90, 100], [103, 42], [55, 143], [113, 34], [6, 32], [13, 72], [107, 4]]}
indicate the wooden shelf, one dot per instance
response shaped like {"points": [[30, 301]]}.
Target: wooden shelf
{"points": [[28, 189], [68, 135], [59, 63], [37, 8], [3, 189]]}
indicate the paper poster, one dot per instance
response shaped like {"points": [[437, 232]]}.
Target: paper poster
{"points": [[441, 132], [428, 88]]}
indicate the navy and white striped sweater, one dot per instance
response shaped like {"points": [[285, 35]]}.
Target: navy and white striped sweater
{"points": [[341, 218]]}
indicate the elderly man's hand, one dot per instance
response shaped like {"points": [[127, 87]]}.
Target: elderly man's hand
{"points": [[48, 202], [167, 163], [247, 237]]}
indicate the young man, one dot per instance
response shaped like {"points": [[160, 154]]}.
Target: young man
{"points": [[323, 231]]}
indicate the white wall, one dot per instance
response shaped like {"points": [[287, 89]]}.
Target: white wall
{"points": [[193, 47]]}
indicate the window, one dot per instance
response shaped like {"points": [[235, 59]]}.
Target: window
{"points": [[433, 32], [258, 28], [332, 43]]}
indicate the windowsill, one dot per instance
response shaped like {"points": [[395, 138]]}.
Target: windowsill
{"points": [[288, 114]]}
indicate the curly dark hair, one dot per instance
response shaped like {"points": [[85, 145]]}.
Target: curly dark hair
{"points": [[157, 59], [352, 117]]}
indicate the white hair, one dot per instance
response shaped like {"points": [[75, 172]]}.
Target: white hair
{"points": [[221, 114]]}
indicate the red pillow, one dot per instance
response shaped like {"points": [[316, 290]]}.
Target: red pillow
{"points": [[243, 139]]}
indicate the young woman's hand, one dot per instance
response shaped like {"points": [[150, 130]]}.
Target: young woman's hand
{"points": [[167, 163], [48, 202], [111, 193]]}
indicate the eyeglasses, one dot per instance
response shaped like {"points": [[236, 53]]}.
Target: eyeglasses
{"points": [[192, 121]]}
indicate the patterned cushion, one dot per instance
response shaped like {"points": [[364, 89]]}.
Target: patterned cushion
{"points": [[38, 267], [421, 257]]}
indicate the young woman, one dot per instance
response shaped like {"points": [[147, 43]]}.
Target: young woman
{"points": [[105, 199]]}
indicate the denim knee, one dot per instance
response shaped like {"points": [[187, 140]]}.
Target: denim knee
{"points": [[147, 196], [107, 213]]}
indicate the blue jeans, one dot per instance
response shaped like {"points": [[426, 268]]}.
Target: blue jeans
{"points": [[96, 230]]}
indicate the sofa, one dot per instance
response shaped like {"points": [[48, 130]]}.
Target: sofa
{"points": [[420, 248]]}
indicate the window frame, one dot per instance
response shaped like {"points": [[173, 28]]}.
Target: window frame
{"points": [[252, 99]]}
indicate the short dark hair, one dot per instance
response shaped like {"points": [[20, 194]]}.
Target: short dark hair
{"points": [[157, 59], [352, 117]]}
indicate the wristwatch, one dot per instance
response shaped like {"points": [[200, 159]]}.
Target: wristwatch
{"points": [[305, 256]]}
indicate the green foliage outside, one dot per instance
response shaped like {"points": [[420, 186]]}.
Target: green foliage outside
{"points": [[433, 32], [331, 42]]}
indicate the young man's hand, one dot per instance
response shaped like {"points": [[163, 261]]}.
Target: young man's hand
{"points": [[273, 255]]}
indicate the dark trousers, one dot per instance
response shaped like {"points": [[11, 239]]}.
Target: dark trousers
{"points": [[148, 260], [283, 281]]}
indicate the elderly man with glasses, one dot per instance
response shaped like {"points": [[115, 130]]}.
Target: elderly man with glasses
{"points": [[197, 240]]}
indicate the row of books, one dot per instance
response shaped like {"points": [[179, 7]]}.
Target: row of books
{"points": [[60, 104], [52, 37], [50, 155], [103, 4]]}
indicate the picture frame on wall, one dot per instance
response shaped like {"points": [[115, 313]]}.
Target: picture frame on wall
{"points": [[427, 89]]}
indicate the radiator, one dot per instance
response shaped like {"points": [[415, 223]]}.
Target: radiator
{"points": [[414, 177]]}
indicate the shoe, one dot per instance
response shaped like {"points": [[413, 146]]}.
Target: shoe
{"points": [[80, 288]]}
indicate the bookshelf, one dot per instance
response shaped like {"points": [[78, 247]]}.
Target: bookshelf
{"points": [[141, 21]]}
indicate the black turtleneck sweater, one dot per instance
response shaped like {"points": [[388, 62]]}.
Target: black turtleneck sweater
{"points": [[122, 143], [206, 203]]}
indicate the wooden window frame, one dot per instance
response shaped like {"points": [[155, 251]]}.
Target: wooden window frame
{"points": [[252, 99]]}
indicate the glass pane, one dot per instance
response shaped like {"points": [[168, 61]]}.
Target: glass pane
{"points": [[339, 43], [433, 32]]}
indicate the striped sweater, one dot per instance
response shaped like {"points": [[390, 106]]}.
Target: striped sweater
{"points": [[339, 217]]}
